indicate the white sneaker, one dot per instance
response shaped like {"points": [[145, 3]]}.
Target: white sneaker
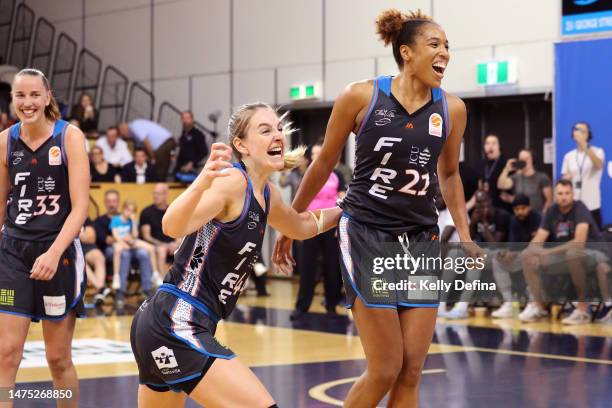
{"points": [[532, 313], [577, 317], [504, 312], [156, 279], [606, 315], [457, 313], [116, 282]]}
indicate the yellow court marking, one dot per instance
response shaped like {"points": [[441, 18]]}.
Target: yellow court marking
{"points": [[319, 392]]}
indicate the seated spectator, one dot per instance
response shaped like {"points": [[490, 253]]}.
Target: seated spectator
{"points": [[101, 171], [115, 150], [526, 180], [157, 141], [192, 150], [151, 230], [124, 228], [140, 170], [87, 115], [487, 224], [4, 121], [570, 224], [94, 258], [523, 226], [105, 241]]}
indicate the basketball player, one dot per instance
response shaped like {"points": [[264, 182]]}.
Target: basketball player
{"points": [[223, 217], [42, 269], [408, 136]]}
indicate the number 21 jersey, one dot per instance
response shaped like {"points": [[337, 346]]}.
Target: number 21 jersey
{"points": [[395, 179], [39, 200]]}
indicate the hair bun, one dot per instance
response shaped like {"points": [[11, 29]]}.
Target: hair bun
{"points": [[389, 24]]}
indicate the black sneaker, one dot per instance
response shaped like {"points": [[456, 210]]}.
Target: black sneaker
{"points": [[296, 315], [604, 315]]}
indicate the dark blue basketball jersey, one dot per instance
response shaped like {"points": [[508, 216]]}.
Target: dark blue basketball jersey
{"points": [[39, 199], [212, 264], [395, 179]]}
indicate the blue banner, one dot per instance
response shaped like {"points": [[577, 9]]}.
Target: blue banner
{"points": [[587, 23], [583, 92]]}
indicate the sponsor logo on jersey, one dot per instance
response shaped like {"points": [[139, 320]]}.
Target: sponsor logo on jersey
{"points": [[383, 116], [7, 297], [435, 125], [409, 125], [55, 156], [165, 360]]}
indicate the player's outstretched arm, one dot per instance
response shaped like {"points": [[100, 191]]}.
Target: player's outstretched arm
{"points": [[294, 225], [206, 197], [4, 176]]}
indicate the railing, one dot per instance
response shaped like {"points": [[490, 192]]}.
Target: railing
{"points": [[169, 116], [7, 7], [87, 76], [63, 69], [112, 98], [141, 103], [42, 50], [22, 36]]}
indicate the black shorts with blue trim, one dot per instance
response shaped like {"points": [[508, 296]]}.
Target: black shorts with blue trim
{"points": [[389, 269], [40, 299], [172, 338]]}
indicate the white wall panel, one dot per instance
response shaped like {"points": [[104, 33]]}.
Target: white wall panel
{"points": [[535, 63], [252, 86], [339, 74], [57, 10], [473, 23], [351, 29], [460, 75], [122, 39], [191, 36], [271, 33], [175, 91], [110, 6], [211, 93]]}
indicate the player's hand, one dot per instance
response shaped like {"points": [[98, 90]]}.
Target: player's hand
{"points": [[281, 255], [219, 159], [45, 266], [472, 250]]}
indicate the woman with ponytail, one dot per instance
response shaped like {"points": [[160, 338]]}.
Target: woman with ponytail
{"points": [[408, 137], [44, 164], [222, 216]]}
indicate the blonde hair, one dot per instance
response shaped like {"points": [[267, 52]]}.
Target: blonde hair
{"points": [[52, 112], [240, 119]]}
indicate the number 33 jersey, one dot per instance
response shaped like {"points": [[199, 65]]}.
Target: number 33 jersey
{"points": [[395, 179], [39, 199]]}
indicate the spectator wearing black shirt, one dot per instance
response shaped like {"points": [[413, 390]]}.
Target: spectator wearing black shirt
{"points": [[151, 230], [488, 223], [87, 115], [569, 223], [101, 170], [139, 171], [490, 169], [523, 226], [192, 148]]}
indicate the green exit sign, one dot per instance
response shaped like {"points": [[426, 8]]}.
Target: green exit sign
{"points": [[302, 92], [502, 72]]}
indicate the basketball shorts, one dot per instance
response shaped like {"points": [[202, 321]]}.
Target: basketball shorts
{"points": [[39, 299], [173, 342], [389, 269]]}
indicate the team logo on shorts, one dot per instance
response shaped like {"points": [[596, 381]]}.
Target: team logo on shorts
{"points": [[55, 156], [435, 125], [164, 358]]}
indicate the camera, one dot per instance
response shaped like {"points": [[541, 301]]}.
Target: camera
{"points": [[519, 164]]}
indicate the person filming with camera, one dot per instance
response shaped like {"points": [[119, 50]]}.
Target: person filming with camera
{"points": [[525, 179]]}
